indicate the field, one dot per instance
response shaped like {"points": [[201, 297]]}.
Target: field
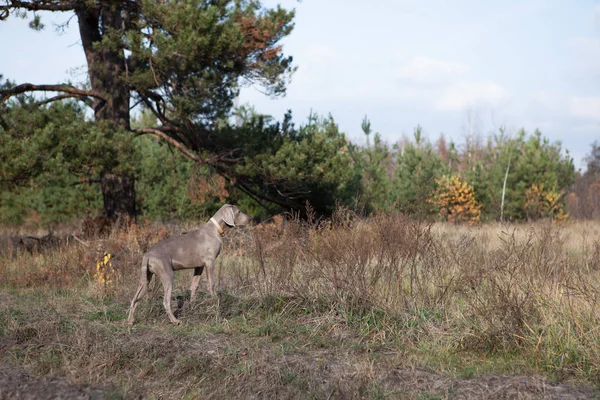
{"points": [[385, 307]]}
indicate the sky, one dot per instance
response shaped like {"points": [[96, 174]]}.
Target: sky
{"points": [[460, 67]]}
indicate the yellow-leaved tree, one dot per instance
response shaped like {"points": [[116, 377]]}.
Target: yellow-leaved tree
{"points": [[455, 200], [541, 202]]}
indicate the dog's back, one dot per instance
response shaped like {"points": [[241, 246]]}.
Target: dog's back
{"points": [[190, 250]]}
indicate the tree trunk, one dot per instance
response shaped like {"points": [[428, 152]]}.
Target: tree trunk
{"points": [[119, 195], [504, 189], [106, 69]]}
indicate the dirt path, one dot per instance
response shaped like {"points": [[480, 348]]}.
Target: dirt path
{"points": [[482, 387], [17, 383]]}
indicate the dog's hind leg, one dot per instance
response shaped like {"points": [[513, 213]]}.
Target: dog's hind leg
{"points": [[142, 289], [166, 277]]}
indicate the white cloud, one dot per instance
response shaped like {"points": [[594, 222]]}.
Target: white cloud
{"points": [[463, 95], [426, 69], [585, 107], [597, 15], [569, 106]]}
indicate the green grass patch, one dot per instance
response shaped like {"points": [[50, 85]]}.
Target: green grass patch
{"points": [[108, 314]]}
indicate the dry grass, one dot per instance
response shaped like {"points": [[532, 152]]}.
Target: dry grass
{"points": [[332, 309]]}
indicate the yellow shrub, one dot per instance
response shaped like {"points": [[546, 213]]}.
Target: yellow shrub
{"points": [[456, 201], [543, 203], [104, 270]]}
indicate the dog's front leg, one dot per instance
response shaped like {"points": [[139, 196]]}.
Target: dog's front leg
{"points": [[195, 282], [210, 271]]}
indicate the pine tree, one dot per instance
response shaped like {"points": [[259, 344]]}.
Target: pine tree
{"points": [[184, 61], [418, 167]]}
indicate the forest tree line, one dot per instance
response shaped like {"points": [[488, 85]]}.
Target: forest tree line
{"points": [[52, 157]]}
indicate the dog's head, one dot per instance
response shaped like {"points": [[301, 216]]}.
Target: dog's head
{"points": [[232, 216]]}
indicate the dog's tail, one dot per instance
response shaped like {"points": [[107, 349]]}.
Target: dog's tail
{"points": [[146, 273]]}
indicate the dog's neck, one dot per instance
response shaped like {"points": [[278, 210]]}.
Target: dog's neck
{"points": [[214, 221]]}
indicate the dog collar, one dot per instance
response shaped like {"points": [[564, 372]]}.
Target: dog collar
{"points": [[214, 221]]}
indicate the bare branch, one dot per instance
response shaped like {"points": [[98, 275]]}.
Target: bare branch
{"points": [[79, 240], [244, 188], [89, 181], [252, 193], [29, 87], [293, 196], [186, 152], [37, 5], [226, 157], [20, 179], [137, 103], [152, 102], [154, 108], [85, 99]]}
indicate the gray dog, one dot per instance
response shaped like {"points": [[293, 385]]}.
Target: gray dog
{"points": [[196, 249]]}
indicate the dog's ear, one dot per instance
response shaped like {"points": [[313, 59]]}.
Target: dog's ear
{"points": [[229, 215]]}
